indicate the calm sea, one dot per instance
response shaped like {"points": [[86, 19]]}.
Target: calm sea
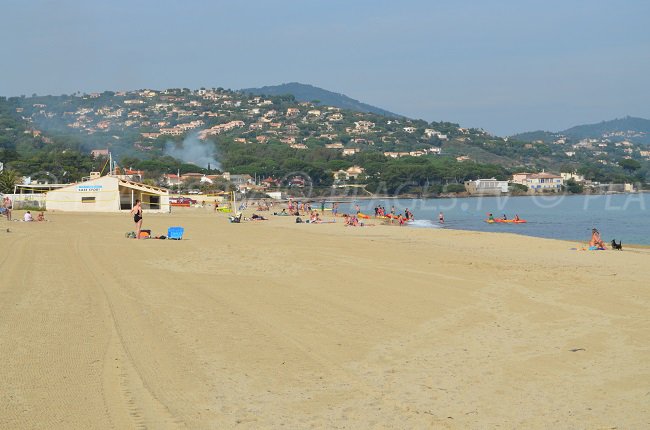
{"points": [[624, 217]]}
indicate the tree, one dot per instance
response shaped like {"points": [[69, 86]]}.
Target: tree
{"points": [[573, 187], [629, 165], [8, 180]]}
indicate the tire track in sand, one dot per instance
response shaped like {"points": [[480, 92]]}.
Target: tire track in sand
{"points": [[129, 399]]}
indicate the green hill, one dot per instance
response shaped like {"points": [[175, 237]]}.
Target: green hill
{"points": [[630, 128], [309, 93], [636, 130]]}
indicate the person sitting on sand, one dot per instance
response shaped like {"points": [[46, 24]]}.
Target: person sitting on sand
{"points": [[28, 217], [257, 217], [41, 216], [596, 241]]}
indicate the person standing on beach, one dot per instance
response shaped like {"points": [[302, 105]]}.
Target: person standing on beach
{"points": [[357, 208], [6, 203], [441, 218], [335, 209], [137, 217]]}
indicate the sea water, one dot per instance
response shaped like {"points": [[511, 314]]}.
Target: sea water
{"points": [[624, 217]]}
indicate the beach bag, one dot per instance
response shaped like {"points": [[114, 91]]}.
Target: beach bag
{"points": [[298, 220], [145, 234]]}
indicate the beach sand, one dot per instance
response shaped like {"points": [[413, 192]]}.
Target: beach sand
{"points": [[276, 324]]}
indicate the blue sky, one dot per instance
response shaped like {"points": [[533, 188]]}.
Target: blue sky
{"points": [[505, 66]]}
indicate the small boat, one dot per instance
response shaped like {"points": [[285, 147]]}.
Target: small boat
{"points": [[505, 221]]}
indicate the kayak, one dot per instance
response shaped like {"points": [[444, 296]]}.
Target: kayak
{"points": [[513, 221], [364, 216], [505, 221]]}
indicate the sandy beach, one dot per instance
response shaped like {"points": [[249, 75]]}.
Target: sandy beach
{"points": [[274, 324]]}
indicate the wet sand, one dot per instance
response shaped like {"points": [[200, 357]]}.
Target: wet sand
{"points": [[276, 324]]}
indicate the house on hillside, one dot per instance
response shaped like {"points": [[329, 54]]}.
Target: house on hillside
{"points": [[572, 175], [539, 182], [96, 153], [351, 151]]}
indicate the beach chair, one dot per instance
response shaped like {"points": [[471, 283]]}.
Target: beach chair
{"points": [[175, 233]]}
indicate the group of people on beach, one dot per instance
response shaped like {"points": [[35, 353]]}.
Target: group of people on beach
{"points": [[6, 209], [314, 217], [29, 218]]}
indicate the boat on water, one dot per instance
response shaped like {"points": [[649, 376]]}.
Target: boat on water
{"points": [[505, 221]]}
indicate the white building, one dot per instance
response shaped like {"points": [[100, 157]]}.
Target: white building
{"points": [[107, 194], [490, 186]]}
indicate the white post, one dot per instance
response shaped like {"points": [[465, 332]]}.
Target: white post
{"points": [[110, 164], [132, 202]]}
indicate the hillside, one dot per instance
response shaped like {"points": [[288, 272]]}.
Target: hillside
{"points": [[631, 129], [309, 93], [538, 135], [163, 131]]}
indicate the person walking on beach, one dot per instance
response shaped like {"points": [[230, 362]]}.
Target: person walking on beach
{"points": [[441, 218], [137, 217]]}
